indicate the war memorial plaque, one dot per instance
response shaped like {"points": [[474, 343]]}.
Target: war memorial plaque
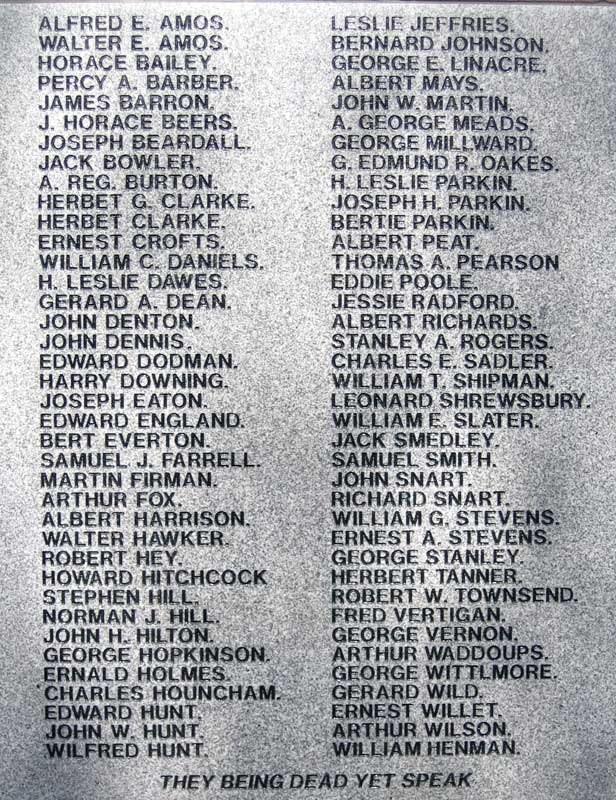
{"points": [[308, 401]]}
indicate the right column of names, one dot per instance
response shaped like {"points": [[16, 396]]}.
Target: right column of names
{"points": [[439, 370]]}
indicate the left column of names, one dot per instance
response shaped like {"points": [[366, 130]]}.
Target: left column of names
{"points": [[144, 220]]}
